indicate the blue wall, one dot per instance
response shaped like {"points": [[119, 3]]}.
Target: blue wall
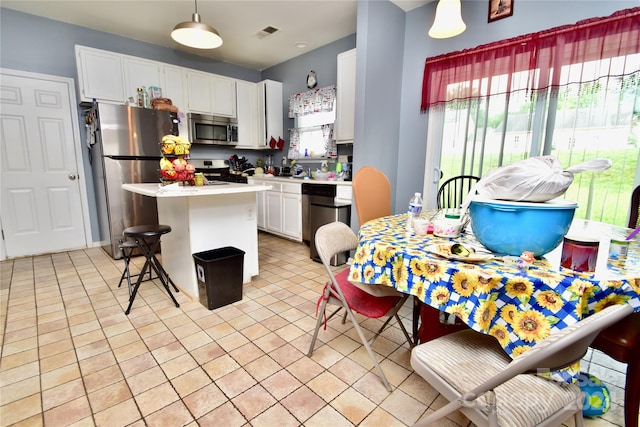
{"points": [[380, 40], [528, 17], [293, 75], [392, 46], [39, 45]]}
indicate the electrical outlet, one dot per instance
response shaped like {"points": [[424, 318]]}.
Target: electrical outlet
{"points": [[251, 213], [343, 159]]}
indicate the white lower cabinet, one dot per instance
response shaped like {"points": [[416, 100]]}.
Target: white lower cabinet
{"points": [[280, 209], [274, 211], [292, 211]]}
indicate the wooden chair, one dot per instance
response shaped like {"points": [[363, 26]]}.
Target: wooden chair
{"points": [[451, 194], [370, 301], [622, 342], [476, 376], [453, 191], [371, 194]]}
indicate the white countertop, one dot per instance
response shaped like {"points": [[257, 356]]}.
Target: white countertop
{"points": [[157, 190], [298, 180]]}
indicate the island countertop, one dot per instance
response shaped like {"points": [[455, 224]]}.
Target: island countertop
{"points": [[157, 190], [201, 219]]}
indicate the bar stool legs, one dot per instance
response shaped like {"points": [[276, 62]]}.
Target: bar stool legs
{"points": [[127, 247], [147, 239]]}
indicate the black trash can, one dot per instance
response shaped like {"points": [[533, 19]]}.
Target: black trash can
{"points": [[219, 273]]}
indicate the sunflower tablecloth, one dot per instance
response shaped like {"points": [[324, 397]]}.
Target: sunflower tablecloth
{"points": [[518, 306]]}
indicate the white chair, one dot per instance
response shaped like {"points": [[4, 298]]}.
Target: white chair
{"points": [[370, 301], [478, 378]]}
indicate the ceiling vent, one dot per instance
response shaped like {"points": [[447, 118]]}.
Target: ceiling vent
{"points": [[266, 32]]}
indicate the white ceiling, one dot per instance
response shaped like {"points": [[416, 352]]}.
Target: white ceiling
{"points": [[313, 22]]}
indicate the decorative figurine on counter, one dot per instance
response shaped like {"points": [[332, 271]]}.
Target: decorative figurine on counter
{"points": [[525, 260]]}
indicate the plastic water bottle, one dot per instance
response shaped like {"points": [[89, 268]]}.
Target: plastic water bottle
{"points": [[415, 207]]}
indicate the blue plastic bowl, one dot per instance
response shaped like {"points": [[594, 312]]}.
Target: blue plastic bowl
{"points": [[511, 228]]}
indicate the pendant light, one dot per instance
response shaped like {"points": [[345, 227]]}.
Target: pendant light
{"points": [[196, 34], [448, 21]]}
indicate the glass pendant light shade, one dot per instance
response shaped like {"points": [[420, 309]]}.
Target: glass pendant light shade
{"points": [[448, 21], [196, 34]]}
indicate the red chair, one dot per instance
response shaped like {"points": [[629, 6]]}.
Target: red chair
{"points": [[622, 342], [369, 301]]}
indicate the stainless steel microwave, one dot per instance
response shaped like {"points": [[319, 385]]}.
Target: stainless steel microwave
{"points": [[207, 129]]}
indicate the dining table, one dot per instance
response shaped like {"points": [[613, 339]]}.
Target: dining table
{"points": [[518, 301]]}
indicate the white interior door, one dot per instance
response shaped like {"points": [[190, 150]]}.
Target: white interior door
{"points": [[41, 204]]}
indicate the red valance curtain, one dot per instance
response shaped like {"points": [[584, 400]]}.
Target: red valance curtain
{"points": [[541, 53]]}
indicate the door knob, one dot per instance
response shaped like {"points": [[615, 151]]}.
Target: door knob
{"points": [[72, 176]]}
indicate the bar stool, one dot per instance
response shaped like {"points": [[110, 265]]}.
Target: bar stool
{"points": [[147, 239], [127, 247]]}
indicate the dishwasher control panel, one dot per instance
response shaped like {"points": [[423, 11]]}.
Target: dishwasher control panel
{"points": [[325, 190]]}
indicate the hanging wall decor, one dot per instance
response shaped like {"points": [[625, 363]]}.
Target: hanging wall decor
{"points": [[499, 9]]}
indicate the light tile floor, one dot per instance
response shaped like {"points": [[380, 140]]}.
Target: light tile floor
{"points": [[70, 356]]}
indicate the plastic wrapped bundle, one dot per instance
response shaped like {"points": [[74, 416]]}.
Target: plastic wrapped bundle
{"points": [[536, 179]]}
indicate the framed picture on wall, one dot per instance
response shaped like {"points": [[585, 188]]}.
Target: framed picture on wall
{"points": [[499, 9]]}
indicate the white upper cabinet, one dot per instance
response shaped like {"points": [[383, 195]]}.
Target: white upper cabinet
{"points": [[198, 92], [173, 86], [345, 97], [247, 114], [211, 94], [224, 96], [140, 73], [270, 105], [113, 78], [100, 75], [259, 114]]}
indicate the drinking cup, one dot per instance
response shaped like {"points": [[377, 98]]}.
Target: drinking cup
{"points": [[421, 226], [580, 253]]}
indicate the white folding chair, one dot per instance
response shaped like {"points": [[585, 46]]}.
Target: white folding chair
{"points": [[473, 372], [370, 301]]}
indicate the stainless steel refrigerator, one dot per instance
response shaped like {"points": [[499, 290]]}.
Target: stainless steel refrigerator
{"points": [[126, 151]]}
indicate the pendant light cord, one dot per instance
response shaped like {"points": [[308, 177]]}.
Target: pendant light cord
{"points": [[196, 2]]}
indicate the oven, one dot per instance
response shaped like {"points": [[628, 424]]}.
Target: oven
{"points": [[216, 171]]}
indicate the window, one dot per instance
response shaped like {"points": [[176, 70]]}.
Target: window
{"points": [[572, 92], [314, 114], [315, 132]]}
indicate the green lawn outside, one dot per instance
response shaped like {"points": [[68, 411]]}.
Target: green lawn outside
{"points": [[611, 189]]}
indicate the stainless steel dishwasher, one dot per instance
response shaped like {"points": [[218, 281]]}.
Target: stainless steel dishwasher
{"points": [[314, 193], [324, 213], [319, 207]]}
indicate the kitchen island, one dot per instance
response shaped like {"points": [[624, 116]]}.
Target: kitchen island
{"points": [[204, 218]]}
